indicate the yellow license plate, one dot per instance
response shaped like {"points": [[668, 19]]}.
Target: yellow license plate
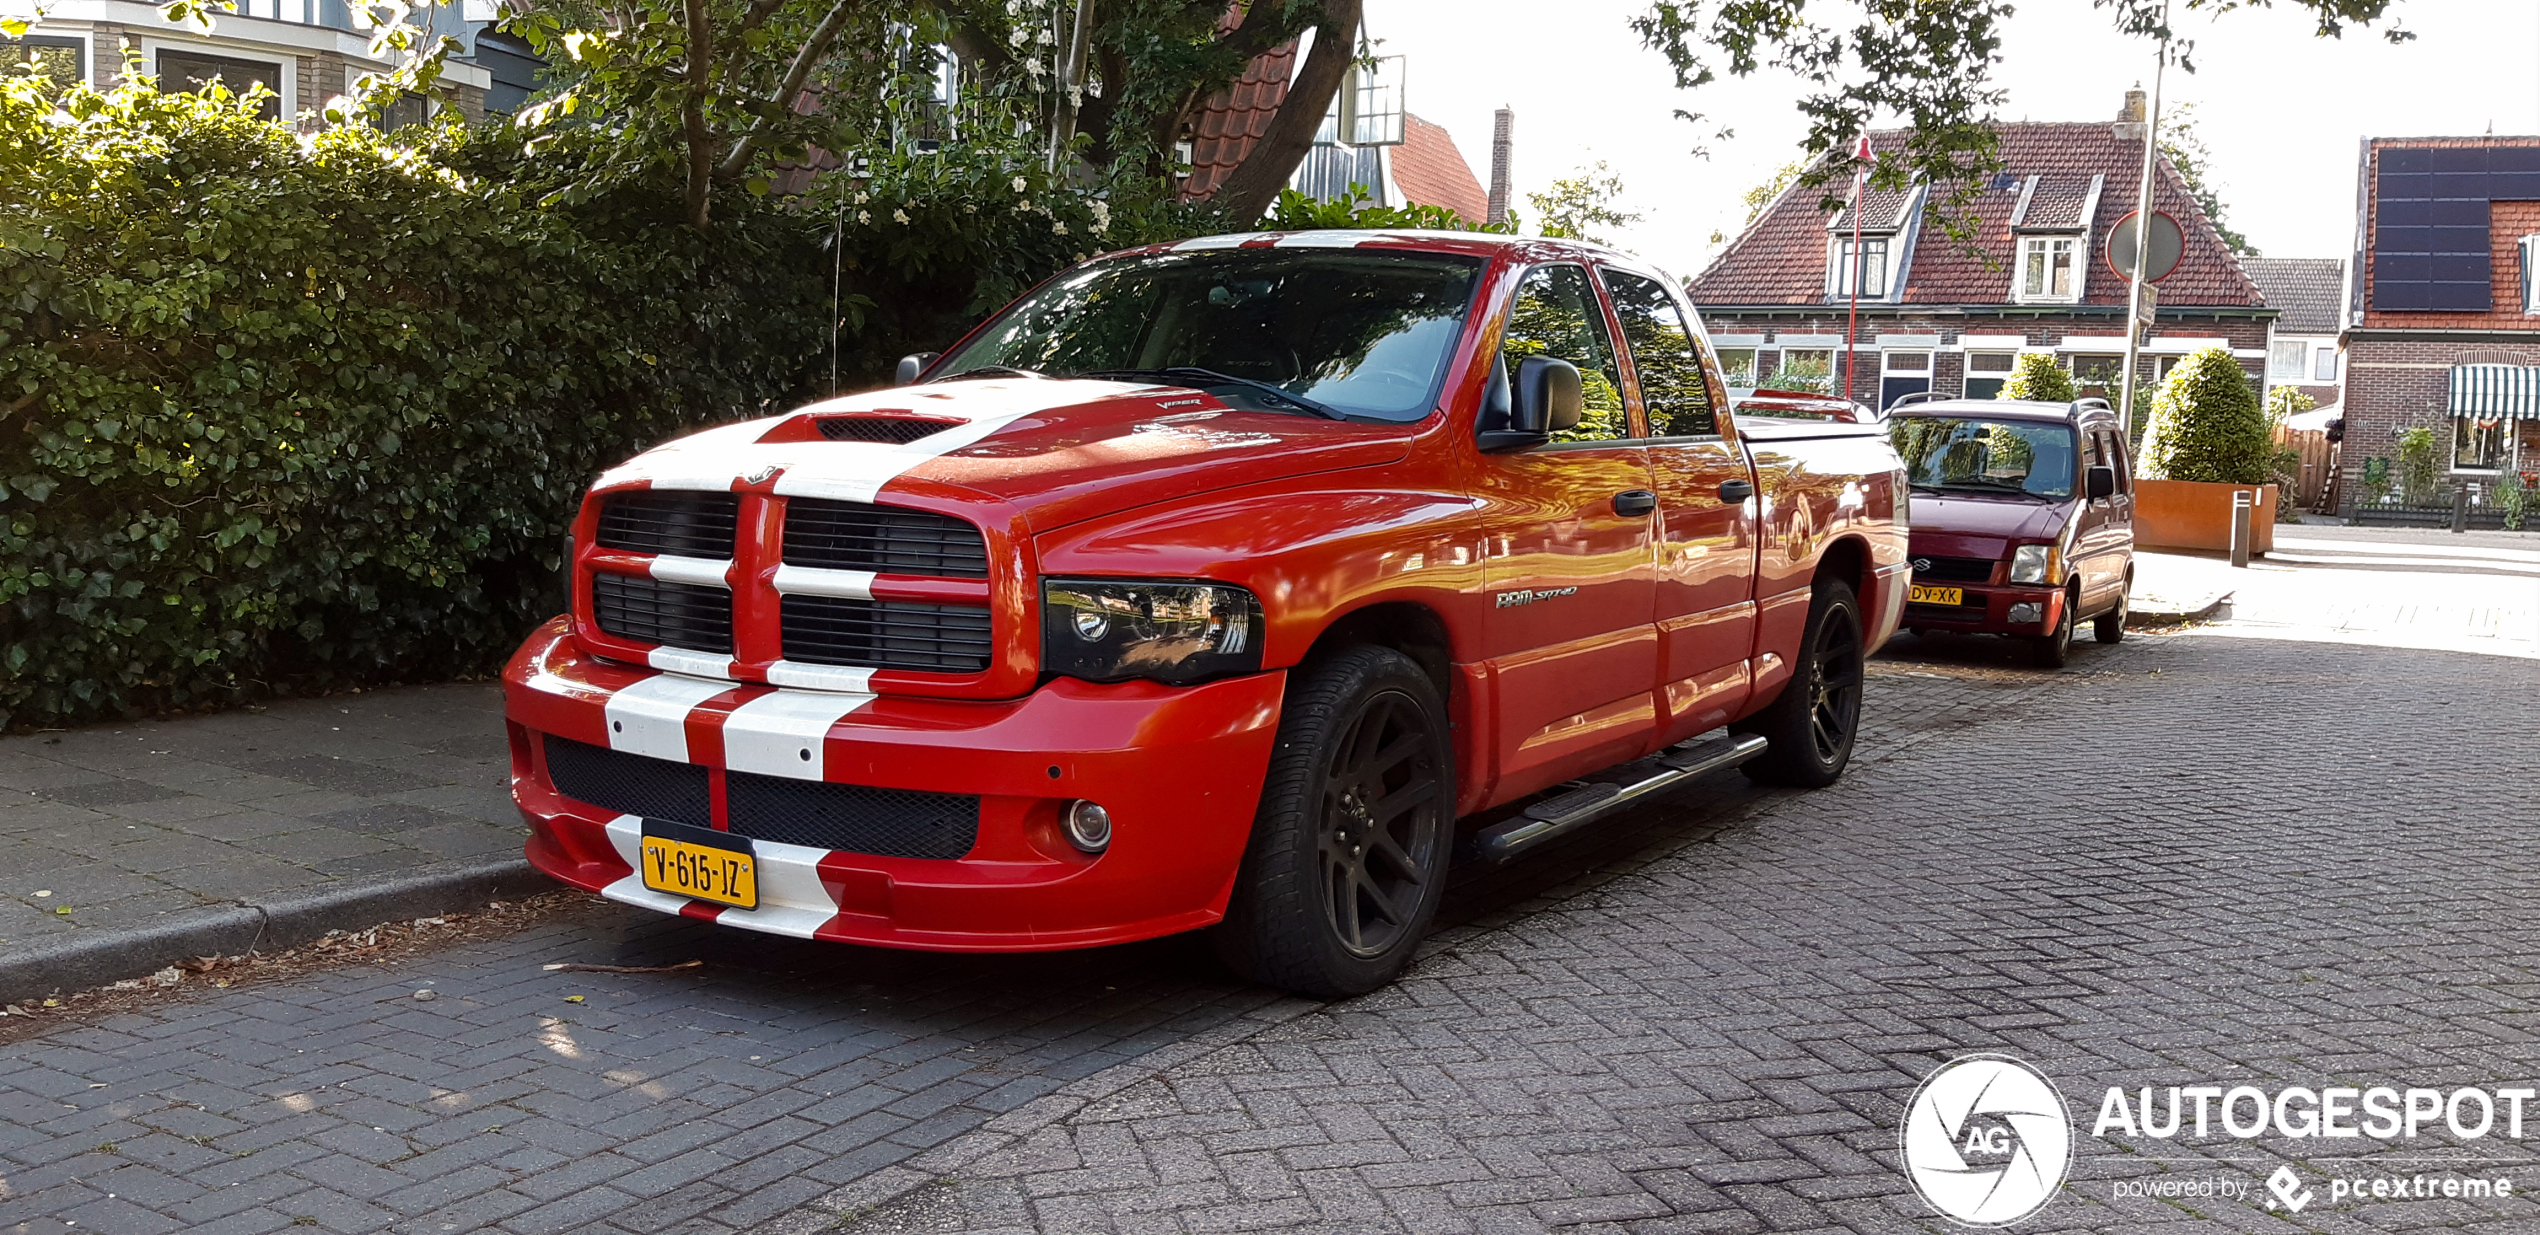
{"points": [[680, 861], [1922, 595]]}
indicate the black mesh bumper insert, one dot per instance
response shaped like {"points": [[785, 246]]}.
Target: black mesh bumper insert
{"points": [[648, 610], [629, 784], [890, 823]]}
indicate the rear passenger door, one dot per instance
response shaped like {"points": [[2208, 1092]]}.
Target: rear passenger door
{"points": [[1569, 635], [1706, 513]]}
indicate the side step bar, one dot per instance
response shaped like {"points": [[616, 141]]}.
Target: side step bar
{"points": [[1557, 817]]}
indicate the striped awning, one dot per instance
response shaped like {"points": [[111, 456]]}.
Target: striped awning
{"points": [[2488, 391]]}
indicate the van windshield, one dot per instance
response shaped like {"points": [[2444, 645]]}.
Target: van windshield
{"points": [[1359, 333], [1974, 455]]}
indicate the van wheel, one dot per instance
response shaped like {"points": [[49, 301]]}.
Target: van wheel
{"points": [[1814, 722], [2109, 627], [1349, 848], [2056, 650]]}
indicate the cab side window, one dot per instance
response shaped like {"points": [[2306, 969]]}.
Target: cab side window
{"points": [[1664, 357], [1556, 315]]}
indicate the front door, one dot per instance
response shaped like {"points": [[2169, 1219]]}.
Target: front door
{"points": [[1569, 638], [1902, 374], [1706, 541]]}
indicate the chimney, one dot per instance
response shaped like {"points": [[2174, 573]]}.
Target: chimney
{"points": [[2130, 125], [2133, 111], [1502, 130]]}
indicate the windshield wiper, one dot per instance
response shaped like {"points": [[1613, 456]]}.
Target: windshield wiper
{"points": [[1986, 486], [989, 370], [1196, 378]]}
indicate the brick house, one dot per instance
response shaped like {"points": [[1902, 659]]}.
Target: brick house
{"points": [[1936, 316], [2309, 294], [1399, 158], [2443, 320]]}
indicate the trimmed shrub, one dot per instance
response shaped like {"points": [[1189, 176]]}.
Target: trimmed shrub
{"points": [[2035, 375], [2419, 471], [2205, 424], [283, 412]]}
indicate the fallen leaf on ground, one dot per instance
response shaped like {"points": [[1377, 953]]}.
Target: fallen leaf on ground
{"points": [[573, 999], [579, 967]]}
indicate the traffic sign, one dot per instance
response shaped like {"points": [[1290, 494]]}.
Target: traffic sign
{"points": [[2167, 243]]}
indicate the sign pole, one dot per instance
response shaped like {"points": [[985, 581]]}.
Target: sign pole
{"points": [[2134, 328], [1852, 328]]}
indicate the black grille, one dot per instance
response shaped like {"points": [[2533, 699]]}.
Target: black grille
{"points": [[680, 615], [896, 429], [891, 823], [670, 521], [629, 784], [1953, 569], [886, 634], [883, 539]]}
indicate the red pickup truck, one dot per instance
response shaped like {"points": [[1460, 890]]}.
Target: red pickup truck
{"points": [[1238, 583]]}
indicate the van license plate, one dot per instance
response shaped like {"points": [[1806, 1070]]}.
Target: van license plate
{"points": [[1922, 595], [700, 863]]}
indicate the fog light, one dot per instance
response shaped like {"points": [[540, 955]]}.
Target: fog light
{"points": [[1088, 826], [2030, 611]]}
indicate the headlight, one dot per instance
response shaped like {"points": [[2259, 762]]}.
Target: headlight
{"points": [[1107, 630], [2033, 564]]}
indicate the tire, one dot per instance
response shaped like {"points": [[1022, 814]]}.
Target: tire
{"points": [[1813, 724], [1335, 892], [2056, 650], [2109, 627]]}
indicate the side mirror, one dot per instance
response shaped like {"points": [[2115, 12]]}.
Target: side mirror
{"points": [[1549, 395], [913, 364], [2101, 481]]}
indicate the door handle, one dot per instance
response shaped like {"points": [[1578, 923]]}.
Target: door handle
{"points": [[1736, 491], [1635, 502]]}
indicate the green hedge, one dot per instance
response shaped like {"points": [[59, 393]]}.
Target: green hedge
{"points": [[281, 412], [2206, 425]]}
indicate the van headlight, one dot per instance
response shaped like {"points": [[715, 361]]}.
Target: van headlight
{"points": [[1110, 630], [2033, 564]]}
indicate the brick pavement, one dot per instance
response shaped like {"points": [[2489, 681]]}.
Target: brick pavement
{"points": [[2192, 856], [123, 824]]}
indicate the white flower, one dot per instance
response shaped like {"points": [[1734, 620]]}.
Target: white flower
{"points": [[1021, 36], [900, 217], [864, 216], [1021, 184], [970, 207], [1033, 66], [1102, 217], [1024, 205], [859, 199], [1058, 228]]}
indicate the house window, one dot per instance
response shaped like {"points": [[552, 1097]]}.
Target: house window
{"points": [[1986, 371], [1872, 266], [2325, 365], [2098, 375], [1806, 369], [1737, 364], [63, 62], [2049, 268], [2478, 445], [2530, 276], [187, 72], [2288, 360]]}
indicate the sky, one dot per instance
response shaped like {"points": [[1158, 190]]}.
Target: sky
{"points": [[2281, 109]]}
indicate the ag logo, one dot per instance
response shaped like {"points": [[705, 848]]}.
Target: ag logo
{"points": [[1986, 1140]]}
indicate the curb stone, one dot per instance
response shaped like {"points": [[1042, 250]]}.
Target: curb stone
{"points": [[96, 956], [2165, 616]]}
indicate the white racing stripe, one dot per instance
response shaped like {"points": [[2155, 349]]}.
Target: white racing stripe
{"points": [[856, 471], [651, 716], [820, 677], [694, 664], [1325, 240], [815, 581], [791, 898], [781, 733], [698, 571], [1219, 242]]}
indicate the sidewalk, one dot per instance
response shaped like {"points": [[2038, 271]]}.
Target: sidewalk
{"points": [[126, 847]]}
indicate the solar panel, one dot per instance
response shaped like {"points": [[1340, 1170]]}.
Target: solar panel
{"points": [[2430, 234]]}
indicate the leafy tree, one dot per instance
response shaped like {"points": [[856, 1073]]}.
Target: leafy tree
{"points": [[2418, 470], [1583, 201], [2183, 144], [2035, 375], [1928, 62], [2285, 402], [2205, 424]]}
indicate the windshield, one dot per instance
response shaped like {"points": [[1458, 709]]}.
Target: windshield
{"points": [[1986, 456], [1366, 334]]}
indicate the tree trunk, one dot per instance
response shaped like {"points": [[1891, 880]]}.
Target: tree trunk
{"points": [[692, 115], [1248, 191]]}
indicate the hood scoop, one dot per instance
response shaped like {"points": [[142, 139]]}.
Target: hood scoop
{"points": [[886, 427]]}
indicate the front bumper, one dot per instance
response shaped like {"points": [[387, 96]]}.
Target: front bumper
{"points": [[1179, 769], [1989, 610]]}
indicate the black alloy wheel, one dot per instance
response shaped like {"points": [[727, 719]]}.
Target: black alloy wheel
{"points": [[1816, 719], [1349, 850]]}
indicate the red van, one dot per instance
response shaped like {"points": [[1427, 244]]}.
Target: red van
{"points": [[2023, 519]]}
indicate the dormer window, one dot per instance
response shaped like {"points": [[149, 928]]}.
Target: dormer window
{"points": [[2049, 270], [1871, 268]]}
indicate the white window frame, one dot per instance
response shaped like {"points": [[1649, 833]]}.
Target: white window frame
{"points": [[1839, 261], [2019, 270], [2530, 251], [1728, 366], [2504, 444], [2300, 352], [286, 68]]}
